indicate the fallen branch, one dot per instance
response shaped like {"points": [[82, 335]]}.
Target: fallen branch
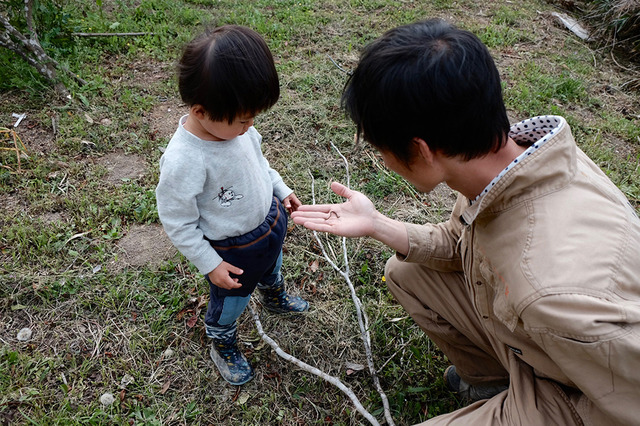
{"points": [[363, 320], [110, 34], [313, 370], [28, 47]]}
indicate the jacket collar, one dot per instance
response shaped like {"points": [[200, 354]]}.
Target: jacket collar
{"points": [[547, 169]]}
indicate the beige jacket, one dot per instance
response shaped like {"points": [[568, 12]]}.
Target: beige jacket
{"points": [[552, 252]]}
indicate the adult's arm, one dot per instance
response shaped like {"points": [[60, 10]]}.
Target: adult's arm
{"points": [[435, 245], [356, 217]]}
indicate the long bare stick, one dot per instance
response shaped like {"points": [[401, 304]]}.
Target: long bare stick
{"points": [[110, 34], [313, 370], [363, 320]]}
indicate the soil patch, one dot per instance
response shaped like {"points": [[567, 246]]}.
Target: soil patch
{"points": [[144, 245], [35, 137], [163, 118], [120, 166]]}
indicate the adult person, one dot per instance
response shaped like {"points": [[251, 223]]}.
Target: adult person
{"points": [[532, 287]]}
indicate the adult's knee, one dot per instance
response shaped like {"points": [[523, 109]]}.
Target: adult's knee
{"points": [[390, 270], [397, 272]]}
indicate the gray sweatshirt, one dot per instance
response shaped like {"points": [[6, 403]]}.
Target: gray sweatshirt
{"points": [[214, 189]]}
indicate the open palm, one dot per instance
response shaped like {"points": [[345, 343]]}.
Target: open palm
{"points": [[353, 218]]}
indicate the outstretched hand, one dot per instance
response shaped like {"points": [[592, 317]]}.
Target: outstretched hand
{"points": [[353, 218]]}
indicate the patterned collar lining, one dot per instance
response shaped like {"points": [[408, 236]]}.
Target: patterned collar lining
{"points": [[535, 131]]}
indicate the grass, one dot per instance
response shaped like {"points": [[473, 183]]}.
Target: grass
{"points": [[106, 320]]}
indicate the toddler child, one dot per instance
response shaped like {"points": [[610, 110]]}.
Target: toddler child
{"points": [[220, 203]]}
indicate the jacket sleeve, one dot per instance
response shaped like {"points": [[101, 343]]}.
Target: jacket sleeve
{"points": [[179, 185], [596, 342], [437, 246]]}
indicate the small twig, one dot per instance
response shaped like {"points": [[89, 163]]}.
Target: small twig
{"points": [[346, 165], [81, 234], [110, 34], [19, 117], [97, 338], [412, 192], [402, 347], [18, 147], [338, 66], [622, 66], [313, 370]]}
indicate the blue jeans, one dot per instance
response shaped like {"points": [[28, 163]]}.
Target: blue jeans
{"points": [[232, 306], [259, 254]]}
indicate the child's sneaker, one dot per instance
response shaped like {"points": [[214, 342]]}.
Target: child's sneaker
{"points": [[232, 364], [276, 299]]}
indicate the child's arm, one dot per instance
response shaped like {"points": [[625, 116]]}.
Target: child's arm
{"points": [[221, 276], [182, 180], [291, 203]]}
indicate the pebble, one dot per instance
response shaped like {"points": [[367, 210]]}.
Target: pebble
{"points": [[107, 399], [24, 334], [126, 380]]}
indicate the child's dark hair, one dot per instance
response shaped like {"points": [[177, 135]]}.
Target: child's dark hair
{"points": [[230, 72], [428, 80]]}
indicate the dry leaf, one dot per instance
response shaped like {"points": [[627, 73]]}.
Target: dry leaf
{"points": [[192, 321], [165, 387], [202, 301], [353, 366], [243, 398], [314, 265], [182, 313]]}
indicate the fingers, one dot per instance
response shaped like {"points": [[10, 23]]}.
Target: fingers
{"points": [[341, 190], [307, 221], [232, 283], [305, 214], [221, 276], [234, 270], [324, 208], [318, 226], [291, 202]]}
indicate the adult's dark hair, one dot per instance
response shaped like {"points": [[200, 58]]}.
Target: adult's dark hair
{"points": [[432, 81], [229, 71]]}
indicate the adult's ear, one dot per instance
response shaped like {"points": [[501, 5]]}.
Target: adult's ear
{"points": [[423, 150]]}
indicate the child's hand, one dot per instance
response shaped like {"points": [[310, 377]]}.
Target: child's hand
{"points": [[221, 276], [291, 203]]}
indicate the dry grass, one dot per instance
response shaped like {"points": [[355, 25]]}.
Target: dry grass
{"points": [[82, 265]]}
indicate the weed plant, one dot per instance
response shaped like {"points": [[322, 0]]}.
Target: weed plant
{"points": [[106, 320]]}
